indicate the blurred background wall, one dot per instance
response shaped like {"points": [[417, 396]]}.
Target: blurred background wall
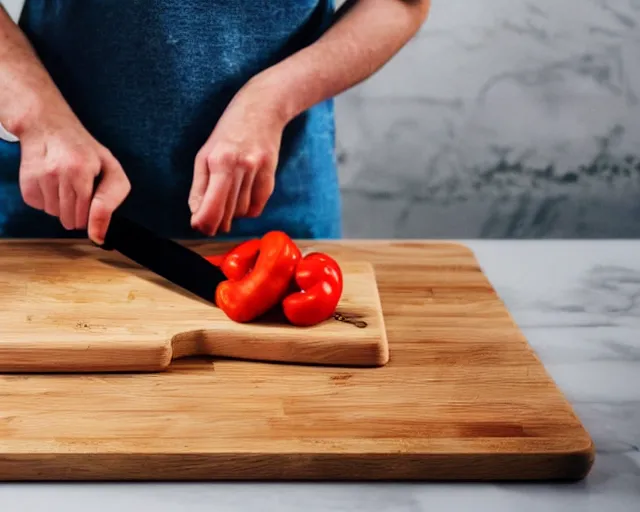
{"points": [[501, 119]]}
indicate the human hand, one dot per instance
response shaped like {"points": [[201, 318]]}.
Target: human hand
{"points": [[59, 165], [234, 171]]}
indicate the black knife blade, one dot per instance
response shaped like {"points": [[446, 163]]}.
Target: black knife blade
{"points": [[167, 258]]}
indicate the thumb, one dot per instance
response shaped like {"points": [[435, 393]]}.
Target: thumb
{"points": [[112, 190]]}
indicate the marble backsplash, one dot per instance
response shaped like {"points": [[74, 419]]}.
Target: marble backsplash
{"points": [[501, 119]]}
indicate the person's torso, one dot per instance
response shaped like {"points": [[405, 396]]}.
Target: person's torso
{"points": [[150, 78]]}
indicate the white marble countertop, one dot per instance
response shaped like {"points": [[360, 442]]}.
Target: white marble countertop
{"points": [[578, 302]]}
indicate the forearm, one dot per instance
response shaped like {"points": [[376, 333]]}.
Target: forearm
{"points": [[364, 38], [25, 85]]}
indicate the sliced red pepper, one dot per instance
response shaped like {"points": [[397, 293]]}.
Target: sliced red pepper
{"points": [[321, 282], [244, 297], [216, 259], [239, 260]]}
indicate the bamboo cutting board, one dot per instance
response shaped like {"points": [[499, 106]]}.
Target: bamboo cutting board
{"points": [[72, 308], [462, 397]]}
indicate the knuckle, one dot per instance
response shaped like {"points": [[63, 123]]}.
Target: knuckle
{"points": [[51, 171], [122, 184], [94, 165], [223, 160], [106, 153], [201, 156], [253, 160], [114, 189], [74, 163], [214, 160]]}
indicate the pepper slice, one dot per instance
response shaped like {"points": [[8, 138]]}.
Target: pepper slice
{"points": [[321, 282], [236, 263], [216, 259], [244, 297]]}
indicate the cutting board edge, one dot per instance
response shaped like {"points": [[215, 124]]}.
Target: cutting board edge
{"points": [[587, 451], [78, 359], [541, 465]]}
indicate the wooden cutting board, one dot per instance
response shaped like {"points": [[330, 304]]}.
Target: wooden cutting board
{"points": [[74, 308], [462, 397]]}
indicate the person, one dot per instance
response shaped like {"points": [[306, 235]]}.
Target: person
{"points": [[196, 118]]}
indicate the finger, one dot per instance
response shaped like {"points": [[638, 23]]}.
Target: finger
{"points": [[110, 193], [244, 195], [31, 193], [232, 200], [263, 186], [212, 208], [67, 204], [83, 183], [49, 185], [83, 190], [32, 158], [199, 183]]}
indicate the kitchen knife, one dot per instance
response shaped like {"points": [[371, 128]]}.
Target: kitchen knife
{"points": [[174, 262]]}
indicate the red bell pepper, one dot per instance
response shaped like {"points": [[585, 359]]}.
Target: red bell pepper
{"points": [[264, 272], [320, 280], [255, 286]]}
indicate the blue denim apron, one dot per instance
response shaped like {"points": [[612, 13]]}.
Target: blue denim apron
{"points": [[150, 78]]}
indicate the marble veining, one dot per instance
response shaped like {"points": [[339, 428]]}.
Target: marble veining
{"points": [[577, 303]]}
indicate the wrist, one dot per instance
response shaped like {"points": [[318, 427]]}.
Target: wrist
{"points": [[283, 101], [34, 112], [24, 115]]}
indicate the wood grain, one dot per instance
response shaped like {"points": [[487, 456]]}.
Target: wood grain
{"points": [[463, 397], [74, 308]]}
